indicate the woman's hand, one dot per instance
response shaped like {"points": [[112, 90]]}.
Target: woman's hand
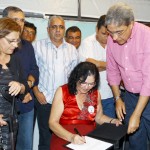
{"points": [[15, 88], [76, 139], [2, 122], [115, 121]]}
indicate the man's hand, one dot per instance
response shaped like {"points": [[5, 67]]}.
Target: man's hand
{"points": [[40, 97], [27, 98], [92, 61], [134, 123], [120, 109]]}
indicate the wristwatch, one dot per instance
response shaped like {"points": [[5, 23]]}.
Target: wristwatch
{"points": [[32, 83]]}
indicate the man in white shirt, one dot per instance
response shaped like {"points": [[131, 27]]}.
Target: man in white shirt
{"points": [[55, 58], [93, 49]]}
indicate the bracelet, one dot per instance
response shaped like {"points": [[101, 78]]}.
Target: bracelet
{"points": [[117, 97], [32, 83], [111, 120]]}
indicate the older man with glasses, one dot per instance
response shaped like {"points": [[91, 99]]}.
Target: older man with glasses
{"points": [[55, 58], [128, 59]]}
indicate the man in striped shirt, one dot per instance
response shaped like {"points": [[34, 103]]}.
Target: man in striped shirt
{"points": [[55, 58]]}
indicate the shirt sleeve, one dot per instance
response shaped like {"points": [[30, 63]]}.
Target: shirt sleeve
{"points": [[34, 70], [82, 51], [145, 89], [113, 73]]}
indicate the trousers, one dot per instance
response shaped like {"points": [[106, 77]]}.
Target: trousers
{"points": [[137, 140]]}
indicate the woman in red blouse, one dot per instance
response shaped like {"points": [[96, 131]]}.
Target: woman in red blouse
{"points": [[77, 105]]}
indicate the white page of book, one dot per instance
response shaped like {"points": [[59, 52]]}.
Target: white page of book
{"points": [[91, 143]]}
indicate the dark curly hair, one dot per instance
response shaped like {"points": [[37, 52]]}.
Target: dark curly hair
{"points": [[80, 73]]}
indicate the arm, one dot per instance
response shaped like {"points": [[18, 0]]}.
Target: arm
{"points": [[101, 65], [56, 112], [30, 81], [136, 116], [39, 95], [101, 118], [134, 120], [34, 70], [19, 84], [120, 106]]}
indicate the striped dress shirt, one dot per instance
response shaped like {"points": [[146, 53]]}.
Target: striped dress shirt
{"points": [[55, 65]]}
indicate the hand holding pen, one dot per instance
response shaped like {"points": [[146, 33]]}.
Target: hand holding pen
{"points": [[78, 138]]}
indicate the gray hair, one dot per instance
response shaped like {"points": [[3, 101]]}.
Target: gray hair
{"points": [[54, 17], [119, 14], [10, 9]]}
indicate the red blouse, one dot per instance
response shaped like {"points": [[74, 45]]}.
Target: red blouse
{"points": [[72, 114], [73, 117]]}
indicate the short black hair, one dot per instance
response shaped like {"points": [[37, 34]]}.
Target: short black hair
{"points": [[30, 25], [72, 29], [101, 21], [9, 9], [80, 73]]}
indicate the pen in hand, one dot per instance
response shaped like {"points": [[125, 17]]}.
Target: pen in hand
{"points": [[77, 132]]}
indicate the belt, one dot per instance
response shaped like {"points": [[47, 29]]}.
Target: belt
{"points": [[136, 94], [122, 90]]}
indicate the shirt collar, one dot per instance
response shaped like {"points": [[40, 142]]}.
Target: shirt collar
{"points": [[64, 43], [133, 30]]}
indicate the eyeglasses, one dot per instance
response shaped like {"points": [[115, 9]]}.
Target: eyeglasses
{"points": [[87, 84], [118, 33], [55, 27], [12, 41], [19, 20]]}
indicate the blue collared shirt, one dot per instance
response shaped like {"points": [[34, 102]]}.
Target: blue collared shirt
{"points": [[27, 58]]}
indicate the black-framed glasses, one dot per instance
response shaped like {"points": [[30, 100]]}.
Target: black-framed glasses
{"points": [[12, 41], [83, 84], [19, 19], [118, 33], [54, 27]]}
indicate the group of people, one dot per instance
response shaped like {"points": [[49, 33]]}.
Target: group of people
{"points": [[69, 83]]}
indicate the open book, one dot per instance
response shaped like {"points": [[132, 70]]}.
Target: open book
{"points": [[91, 144]]}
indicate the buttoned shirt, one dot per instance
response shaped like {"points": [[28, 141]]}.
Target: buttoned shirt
{"points": [[131, 61], [55, 65], [27, 59], [91, 48]]}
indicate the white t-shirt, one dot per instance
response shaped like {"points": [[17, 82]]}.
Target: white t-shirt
{"points": [[91, 48]]}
